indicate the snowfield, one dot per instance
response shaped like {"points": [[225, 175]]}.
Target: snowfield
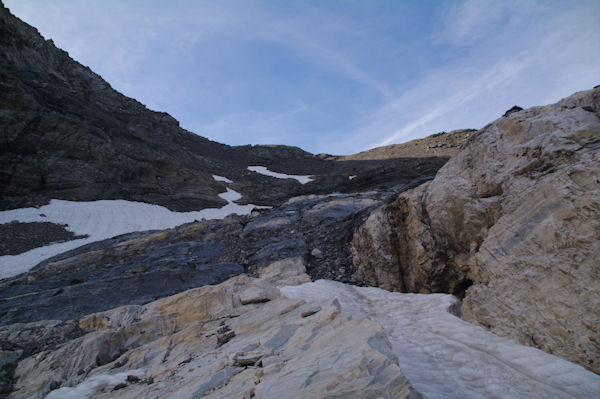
{"points": [[446, 357], [101, 220], [264, 171]]}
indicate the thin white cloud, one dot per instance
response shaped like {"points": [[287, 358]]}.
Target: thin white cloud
{"points": [[465, 22], [253, 127], [120, 40], [314, 36], [465, 92], [326, 57], [497, 54], [543, 54]]}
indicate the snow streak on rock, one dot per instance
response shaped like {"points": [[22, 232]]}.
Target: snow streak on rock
{"points": [[221, 178], [264, 171], [446, 357], [104, 219], [93, 385]]}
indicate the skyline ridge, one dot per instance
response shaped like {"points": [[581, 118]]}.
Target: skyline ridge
{"points": [[325, 77]]}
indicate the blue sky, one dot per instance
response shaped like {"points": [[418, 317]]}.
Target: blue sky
{"points": [[329, 76]]}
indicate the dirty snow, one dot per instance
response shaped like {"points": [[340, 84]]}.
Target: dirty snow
{"points": [[101, 220], [446, 357], [93, 385], [264, 171]]}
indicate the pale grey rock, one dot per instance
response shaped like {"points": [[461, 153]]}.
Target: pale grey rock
{"points": [[310, 310], [169, 348], [257, 294], [511, 222], [316, 252], [290, 271], [270, 223], [338, 209]]}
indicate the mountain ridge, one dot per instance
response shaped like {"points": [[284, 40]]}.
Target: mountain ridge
{"points": [[68, 135], [283, 300]]}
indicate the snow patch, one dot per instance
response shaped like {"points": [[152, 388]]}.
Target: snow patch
{"points": [[93, 385], [264, 171], [352, 177], [221, 178], [104, 219], [446, 357]]}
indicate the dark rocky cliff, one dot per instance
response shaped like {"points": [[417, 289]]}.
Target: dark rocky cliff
{"points": [[67, 134]]}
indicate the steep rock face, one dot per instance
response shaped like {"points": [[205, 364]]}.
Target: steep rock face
{"points": [[516, 213], [237, 339], [66, 134]]}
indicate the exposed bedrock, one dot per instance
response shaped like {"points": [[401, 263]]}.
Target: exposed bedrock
{"points": [[238, 339], [136, 268], [512, 223]]}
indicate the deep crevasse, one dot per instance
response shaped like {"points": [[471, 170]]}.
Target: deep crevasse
{"points": [[446, 357]]}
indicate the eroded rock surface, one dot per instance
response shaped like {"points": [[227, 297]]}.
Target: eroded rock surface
{"points": [[206, 342], [137, 268], [445, 357], [516, 213]]}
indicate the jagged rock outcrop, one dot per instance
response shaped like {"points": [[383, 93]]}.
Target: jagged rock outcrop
{"points": [[512, 222], [67, 134], [236, 339]]}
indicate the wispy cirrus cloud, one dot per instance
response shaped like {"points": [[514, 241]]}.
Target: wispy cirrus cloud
{"points": [[519, 53], [468, 21], [252, 127], [327, 76]]}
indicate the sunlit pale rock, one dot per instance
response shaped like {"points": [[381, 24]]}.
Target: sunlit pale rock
{"points": [[516, 213], [206, 342]]}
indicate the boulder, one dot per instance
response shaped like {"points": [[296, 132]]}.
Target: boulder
{"points": [[513, 109], [512, 224]]}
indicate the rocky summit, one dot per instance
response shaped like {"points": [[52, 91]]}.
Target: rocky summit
{"points": [[140, 260]]}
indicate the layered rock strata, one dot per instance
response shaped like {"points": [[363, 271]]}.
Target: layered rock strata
{"points": [[236, 339], [512, 222], [137, 268]]}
